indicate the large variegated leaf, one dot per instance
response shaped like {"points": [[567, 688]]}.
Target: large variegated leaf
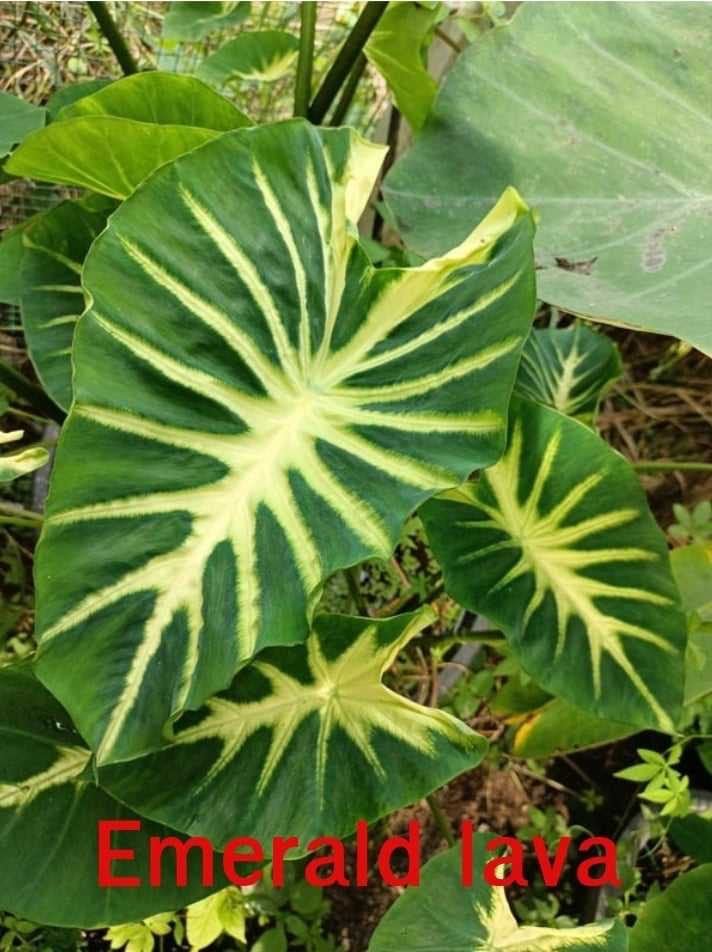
{"points": [[54, 247], [255, 407], [568, 369], [306, 742], [112, 140], [599, 113], [441, 915], [557, 546], [49, 810]]}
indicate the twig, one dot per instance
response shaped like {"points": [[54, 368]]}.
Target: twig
{"points": [[113, 35], [348, 92], [394, 124], [663, 466], [345, 60], [441, 821]]}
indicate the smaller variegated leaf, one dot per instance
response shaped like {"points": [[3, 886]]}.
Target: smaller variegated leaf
{"points": [[112, 140], [555, 544], [306, 742], [49, 811], [54, 247], [442, 915], [191, 21], [260, 55], [568, 369]]}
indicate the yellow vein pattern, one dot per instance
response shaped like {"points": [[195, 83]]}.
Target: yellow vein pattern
{"points": [[67, 767], [205, 328], [562, 553], [344, 693]]}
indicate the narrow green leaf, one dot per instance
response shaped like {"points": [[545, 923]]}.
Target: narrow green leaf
{"points": [[599, 114], [398, 48], [260, 55], [255, 408], [638, 773], [17, 120], [49, 810], [555, 544], [441, 914], [568, 369], [677, 918], [112, 140], [55, 245], [314, 719], [194, 21]]}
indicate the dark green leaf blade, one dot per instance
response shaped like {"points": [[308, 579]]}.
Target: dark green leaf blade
{"points": [[49, 811]]}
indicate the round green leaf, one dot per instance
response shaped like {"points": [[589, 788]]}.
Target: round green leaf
{"points": [[262, 55], [442, 914], [692, 570], [306, 742], [560, 728], [678, 918], [66, 95], [49, 811], [556, 545], [599, 114], [568, 369], [693, 835], [255, 408], [112, 140]]}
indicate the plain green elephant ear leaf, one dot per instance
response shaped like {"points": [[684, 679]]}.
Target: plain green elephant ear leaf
{"points": [[568, 369], [11, 253], [599, 114], [22, 461], [54, 247], [442, 914], [262, 55], [112, 140], [692, 571], [315, 719], [556, 545], [49, 811], [398, 48], [269, 409], [17, 120], [194, 21], [693, 835], [66, 95], [678, 918]]}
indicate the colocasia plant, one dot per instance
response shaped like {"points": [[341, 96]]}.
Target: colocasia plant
{"points": [[250, 406]]}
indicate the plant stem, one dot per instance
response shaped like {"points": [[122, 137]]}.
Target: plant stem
{"points": [[345, 60], [663, 466], [113, 35], [441, 821], [394, 124], [302, 90], [29, 392], [348, 92]]}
